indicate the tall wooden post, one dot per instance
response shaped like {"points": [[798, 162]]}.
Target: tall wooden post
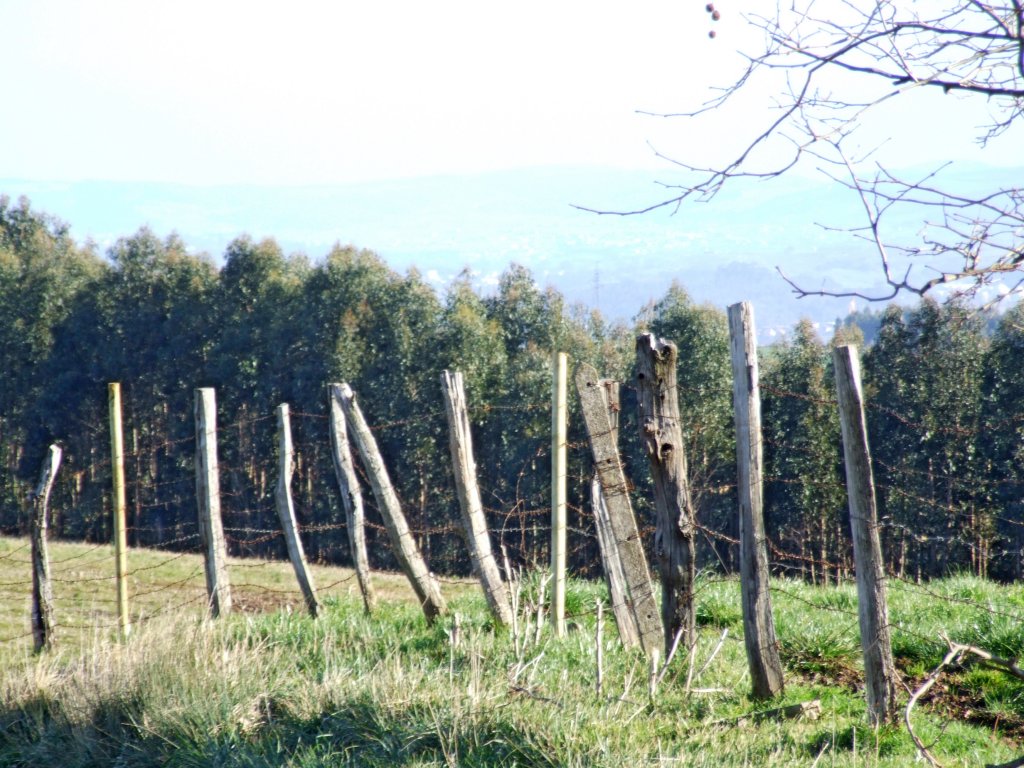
{"points": [[286, 510], [351, 498], [662, 438], [120, 524], [872, 602], [624, 538], [559, 428], [211, 529], [474, 523], [406, 551], [758, 624], [43, 622]]}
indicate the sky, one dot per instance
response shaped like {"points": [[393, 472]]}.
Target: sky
{"points": [[341, 92]]}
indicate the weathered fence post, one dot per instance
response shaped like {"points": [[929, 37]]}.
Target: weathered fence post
{"points": [[211, 529], [872, 604], [625, 537], [120, 523], [43, 622], [351, 498], [406, 551], [611, 560], [286, 510], [758, 623], [559, 422], [474, 523], [662, 438]]}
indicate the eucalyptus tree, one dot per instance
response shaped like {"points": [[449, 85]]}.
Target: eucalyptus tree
{"points": [[804, 495]]}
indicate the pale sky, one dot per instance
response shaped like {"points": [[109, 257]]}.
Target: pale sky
{"points": [[330, 93]]}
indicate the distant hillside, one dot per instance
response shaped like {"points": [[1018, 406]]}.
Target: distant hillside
{"points": [[722, 252]]}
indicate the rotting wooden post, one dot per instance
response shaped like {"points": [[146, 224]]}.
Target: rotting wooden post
{"points": [[758, 624], [662, 438], [474, 523], [872, 603], [120, 523], [406, 551], [211, 529], [625, 537], [286, 510], [611, 563], [43, 622], [351, 498], [559, 424], [611, 560]]}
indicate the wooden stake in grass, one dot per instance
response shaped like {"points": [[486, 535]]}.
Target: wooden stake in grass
{"points": [[872, 603], [599, 647], [43, 621], [662, 438], [120, 522], [474, 523], [211, 530], [406, 551], [351, 497], [559, 421], [286, 510], [758, 623]]}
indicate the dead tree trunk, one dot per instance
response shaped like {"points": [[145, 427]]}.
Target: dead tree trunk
{"points": [[211, 530], [758, 623], [351, 498], [286, 510], [43, 621], [474, 523], [662, 438], [622, 523], [872, 603], [408, 554]]}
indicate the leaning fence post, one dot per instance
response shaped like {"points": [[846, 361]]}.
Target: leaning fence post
{"points": [[120, 524], [43, 622], [408, 554], [351, 497], [474, 523], [872, 605], [286, 510], [758, 623], [211, 529], [559, 420], [621, 522]]}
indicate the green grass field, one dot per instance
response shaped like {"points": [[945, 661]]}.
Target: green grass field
{"points": [[268, 686]]}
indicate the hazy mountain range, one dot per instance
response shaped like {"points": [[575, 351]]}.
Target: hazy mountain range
{"points": [[722, 252]]}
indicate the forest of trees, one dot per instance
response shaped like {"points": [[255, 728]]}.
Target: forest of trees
{"points": [[946, 405]]}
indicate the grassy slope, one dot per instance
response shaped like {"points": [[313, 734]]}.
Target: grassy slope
{"points": [[272, 687]]}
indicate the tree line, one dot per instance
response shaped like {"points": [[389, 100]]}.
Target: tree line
{"points": [[946, 410]]}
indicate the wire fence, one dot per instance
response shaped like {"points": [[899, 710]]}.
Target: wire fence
{"points": [[933, 520]]}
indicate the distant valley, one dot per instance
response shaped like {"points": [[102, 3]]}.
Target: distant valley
{"points": [[721, 252]]}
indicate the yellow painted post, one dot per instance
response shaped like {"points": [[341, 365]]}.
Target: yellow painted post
{"points": [[559, 421], [120, 532]]}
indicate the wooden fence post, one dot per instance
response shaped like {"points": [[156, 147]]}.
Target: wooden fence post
{"points": [[474, 523], [43, 622], [559, 424], [286, 510], [211, 529], [758, 623], [662, 438], [611, 559], [872, 603], [351, 498], [120, 524], [406, 551], [624, 538]]}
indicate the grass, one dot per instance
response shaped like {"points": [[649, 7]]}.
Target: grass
{"points": [[268, 686]]}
